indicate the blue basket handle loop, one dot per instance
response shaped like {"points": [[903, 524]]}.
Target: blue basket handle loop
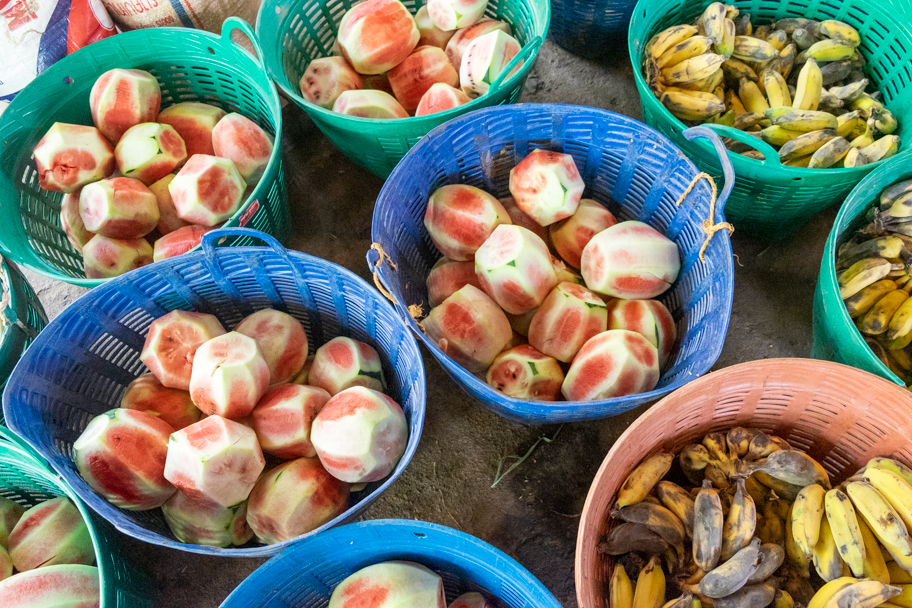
{"points": [[710, 225], [770, 156], [208, 243], [236, 23], [523, 54]]}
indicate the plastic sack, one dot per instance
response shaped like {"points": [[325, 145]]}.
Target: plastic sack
{"points": [[200, 14]]}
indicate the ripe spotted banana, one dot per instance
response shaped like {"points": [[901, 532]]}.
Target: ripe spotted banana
{"points": [[693, 69], [777, 39], [776, 88], [804, 120], [854, 158], [668, 38], [748, 596], [865, 139], [632, 537], [849, 123], [890, 464], [885, 247], [899, 333], [807, 514], [863, 594], [748, 48], [881, 517], [829, 153], [825, 555], [865, 299], [751, 97], [691, 105], [692, 47], [708, 525], [650, 586], [740, 524], [793, 467], [620, 589], [771, 528], [658, 519], [727, 46], [738, 439], [875, 568], [796, 554], [643, 478], [877, 320], [895, 489], [713, 21], [787, 60], [694, 459], [846, 532], [884, 121], [677, 500], [806, 144], [809, 87], [762, 445], [772, 556], [789, 25], [731, 575], [851, 91], [829, 50], [840, 32], [861, 274], [884, 147], [825, 593]]}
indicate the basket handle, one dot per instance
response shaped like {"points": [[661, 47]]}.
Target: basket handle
{"points": [[521, 56], [208, 243], [770, 156], [728, 172], [236, 23]]}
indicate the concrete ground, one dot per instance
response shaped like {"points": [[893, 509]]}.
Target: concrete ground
{"points": [[534, 513]]}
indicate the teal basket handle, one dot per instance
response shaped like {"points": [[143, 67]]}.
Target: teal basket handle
{"points": [[521, 56], [770, 156], [236, 23], [728, 173]]}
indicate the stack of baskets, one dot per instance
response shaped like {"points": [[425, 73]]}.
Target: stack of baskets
{"points": [[590, 28]]}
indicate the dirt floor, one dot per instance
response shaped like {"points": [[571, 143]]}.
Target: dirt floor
{"points": [[533, 514]]}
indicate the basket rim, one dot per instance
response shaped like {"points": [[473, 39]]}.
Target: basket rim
{"points": [[851, 208], [67, 472], [510, 82], [687, 392], [270, 96], [647, 98], [483, 553], [543, 412]]}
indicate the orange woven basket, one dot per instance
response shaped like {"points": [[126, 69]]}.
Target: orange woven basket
{"points": [[840, 415]]}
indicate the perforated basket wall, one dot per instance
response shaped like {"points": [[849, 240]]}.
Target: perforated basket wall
{"points": [[771, 200], [294, 32], [590, 28], [23, 317], [835, 336], [81, 362], [190, 65], [631, 169], [306, 574], [839, 415], [26, 481]]}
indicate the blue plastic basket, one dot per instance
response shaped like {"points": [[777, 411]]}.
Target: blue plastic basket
{"points": [[80, 364], [590, 28], [305, 575], [628, 167]]}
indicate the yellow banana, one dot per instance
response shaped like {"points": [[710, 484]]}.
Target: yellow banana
{"points": [[708, 525], [904, 599], [805, 144], [748, 48], [829, 50], [727, 44], [865, 102], [717, 446], [875, 568], [890, 464], [840, 32], [846, 532], [676, 499], [851, 91], [733, 573], [847, 123], [863, 594], [783, 600], [885, 147], [877, 320], [692, 105], [685, 601], [829, 153], [830, 589], [880, 516], [620, 589], [748, 120], [805, 120], [784, 489], [854, 158], [643, 478], [735, 70], [797, 556], [771, 528], [809, 87], [692, 47], [776, 89], [895, 489], [650, 586], [885, 247], [713, 21], [899, 335], [865, 299], [733, 102], [825, 555], [740, 524], [656, 518], [777, 39], [864, 140], [896, 575], [861, 274], [693, 69], [884, 121], [786, 60], [668, 38], [807, 514], [693, 459], [778, 136], [751, 97]]}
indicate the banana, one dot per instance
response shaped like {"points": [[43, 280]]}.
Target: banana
{"points": [[854, 158], [880, 516], [789, 25], [708, 525], [759, 492], [864, 140], [807, 514], [743, 26], [762, 32], [748, 596], [844, 526], [803, 38], [632, 537], [865, 102], [874, 566], [850, 92], [885, 247], [693, 459], [897, 575], [747, 120], [643, 478], [740, 524], [676, 499], [726, 118], [783, 600], [865, 299], [796, 554], [825, 556], [825, 593], [751, 97], [762, 445], [840, 32], [733, 103], [848, 123], [890, 464], [783, 489], [885, 147], [833, 72], [693, 69], [685, 601], [777, 39], [829, 102], [692, 105], [805, 144], [668, 38], [650, 586], [772, 556], [748, 48], [899, 332], [829, 153], [692, 47], [904, 599], [727, 578], [717, 446], [771, 527], [877, 320], [809, 87], [620, 589], [902, 358], [896, 192], [804, 120], [863, 594], [786, 60], [713, 21], [830, 50], [738, 440], [895, 489], [793, 467], [776, 88], [658, 519], [727, 45], [735, 69], [861, 274]]}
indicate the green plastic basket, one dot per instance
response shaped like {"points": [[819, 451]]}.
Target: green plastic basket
{"points": [[22, 317], [835, 336], [191, 65], [771, 200], [294, 32], [24, 479]]}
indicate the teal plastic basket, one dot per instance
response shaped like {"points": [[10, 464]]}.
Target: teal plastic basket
{"points": [[190, 65], [770, 200], [294, 32], [22, 317]]}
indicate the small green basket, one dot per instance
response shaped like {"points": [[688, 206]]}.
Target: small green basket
{"points": [[21, 316], [835, 336], [191, 65], [770, 200], [26, 480], [294, 32]]}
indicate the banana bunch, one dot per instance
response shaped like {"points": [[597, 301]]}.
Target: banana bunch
{"points": [[797, 84], [873, 273]]}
